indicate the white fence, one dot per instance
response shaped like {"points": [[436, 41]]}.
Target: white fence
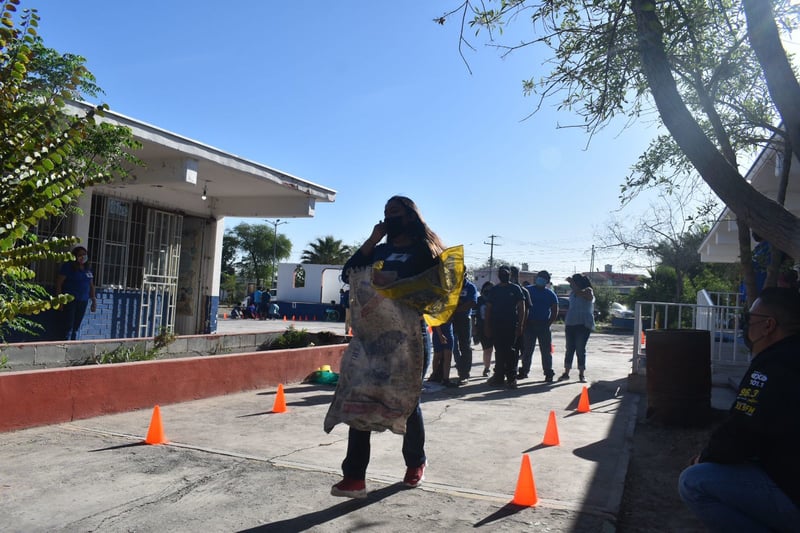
{"points": [[719, 313]]}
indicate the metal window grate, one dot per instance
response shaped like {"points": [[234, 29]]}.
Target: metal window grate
{"points": [[48, 228], [116, 241]]}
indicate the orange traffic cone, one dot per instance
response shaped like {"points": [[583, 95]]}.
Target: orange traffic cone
{"points": [[293, 317], [224, 316], [350, 332], [280, 401], [642, 339], [284, 318], [525, 494], [306, 318], [551, 433], [583, 403], [155, 433]]}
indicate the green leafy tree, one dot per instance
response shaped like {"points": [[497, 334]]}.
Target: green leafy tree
{"points": [[47, 159], [326, 251], [229, 251], [706, 67], [657, 286], [234, 290], [254, 246], [603, 298]]}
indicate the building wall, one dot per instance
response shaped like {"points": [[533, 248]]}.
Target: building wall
{"points": [[116, 317], [322, 283]]}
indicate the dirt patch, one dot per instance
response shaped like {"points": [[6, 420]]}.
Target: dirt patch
{"points": [[650, 501]]}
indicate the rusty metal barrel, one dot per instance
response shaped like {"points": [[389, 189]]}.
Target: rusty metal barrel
{"points": [[679, 376]]}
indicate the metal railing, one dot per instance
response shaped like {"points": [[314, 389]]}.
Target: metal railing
{"points": [[719, 313]]}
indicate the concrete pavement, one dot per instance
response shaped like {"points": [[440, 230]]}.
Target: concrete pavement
{"points": [[233, 465]]}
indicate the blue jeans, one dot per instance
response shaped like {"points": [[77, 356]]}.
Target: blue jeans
{"points": [[737, 497], [355, 463], [537, 330], [462, 352], [577, 337]]}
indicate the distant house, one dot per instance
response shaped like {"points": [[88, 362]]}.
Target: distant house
{"points": [[722, 243], [622, 283], [155, 239]]}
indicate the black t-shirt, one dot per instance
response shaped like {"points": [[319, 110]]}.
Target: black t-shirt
{"points": [[403, 261], [504, 299]]}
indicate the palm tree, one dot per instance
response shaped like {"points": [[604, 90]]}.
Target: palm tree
{"points": [[326, 251]]}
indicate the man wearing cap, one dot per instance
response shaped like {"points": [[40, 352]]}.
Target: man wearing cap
{"points": [[505, 312], [542, 314]]}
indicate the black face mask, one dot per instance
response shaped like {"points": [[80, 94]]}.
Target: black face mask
{"points": [[394, 226]]}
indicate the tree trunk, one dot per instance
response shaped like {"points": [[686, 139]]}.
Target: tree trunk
{"points": [[783, 86], [764, 215], [746, 259]]}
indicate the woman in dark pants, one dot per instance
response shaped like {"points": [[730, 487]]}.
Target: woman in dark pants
{"points": [[75, 278], [410, 249]]}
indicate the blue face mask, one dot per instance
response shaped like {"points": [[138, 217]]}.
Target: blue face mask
{"points": [[541, 282]]}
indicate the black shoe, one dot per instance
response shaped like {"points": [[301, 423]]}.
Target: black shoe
{"points": [[485, 372], [548, 378], [450, 384], [564, 376], [522, 375], [581, 377], [512, 383], [495, 381], [463, 381]]}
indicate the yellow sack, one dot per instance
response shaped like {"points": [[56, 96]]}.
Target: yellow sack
{"points": [[433, 293]]}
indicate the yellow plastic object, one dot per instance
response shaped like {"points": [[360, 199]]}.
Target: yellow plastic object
{"points": [[434, 293]]}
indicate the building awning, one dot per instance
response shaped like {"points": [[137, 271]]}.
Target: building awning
{"points": [[177, 170], [721, 245]]}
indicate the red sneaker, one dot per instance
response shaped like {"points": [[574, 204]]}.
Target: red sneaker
{"points": [[350, 488], [414, 476]]}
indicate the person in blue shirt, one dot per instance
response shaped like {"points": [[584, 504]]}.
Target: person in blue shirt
{"points": [[542, 314], [411, 248], [75, 278], [462, 329]]}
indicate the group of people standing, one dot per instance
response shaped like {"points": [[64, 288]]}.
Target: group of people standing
{"points": [[510, 319]]}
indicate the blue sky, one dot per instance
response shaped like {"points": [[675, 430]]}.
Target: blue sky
{"points": [[369, 98]]}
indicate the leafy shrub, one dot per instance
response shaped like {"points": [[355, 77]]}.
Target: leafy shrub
{"points": [[124, 354], [291, 338]]}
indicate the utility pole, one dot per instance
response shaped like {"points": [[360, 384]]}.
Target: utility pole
{"points": [[277, 222], [491, 253]]}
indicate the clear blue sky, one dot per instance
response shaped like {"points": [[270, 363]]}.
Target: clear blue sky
{"points": [[369, 98]]}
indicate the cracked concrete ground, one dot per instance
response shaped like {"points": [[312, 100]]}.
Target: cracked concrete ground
{"points": [[233, 465]]}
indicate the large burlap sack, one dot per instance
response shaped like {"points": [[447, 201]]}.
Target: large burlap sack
{"points": [[380, 376]]}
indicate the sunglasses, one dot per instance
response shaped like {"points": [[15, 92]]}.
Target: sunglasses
{"points": [[747, 315]]}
